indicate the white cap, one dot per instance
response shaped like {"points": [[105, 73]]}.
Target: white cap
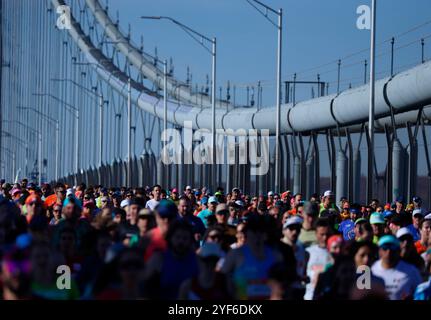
{"points": [[402, 232], [428, 216], [417, 211], [240, 203], [292, 220], [328, 193], [69, 192], [125, 203], [188, 188], [212, 200], [270, 193]]}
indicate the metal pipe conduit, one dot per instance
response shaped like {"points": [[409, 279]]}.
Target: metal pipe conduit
{"points": [[406, 91]]}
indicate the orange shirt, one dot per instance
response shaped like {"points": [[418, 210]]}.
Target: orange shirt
{"points": [[420, 248], [293, 212]]}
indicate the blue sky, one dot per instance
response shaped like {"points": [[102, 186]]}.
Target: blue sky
{"points": [[315, 32]]}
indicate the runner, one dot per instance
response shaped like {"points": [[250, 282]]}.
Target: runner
{"points": [[247, 267], [401, 278]]}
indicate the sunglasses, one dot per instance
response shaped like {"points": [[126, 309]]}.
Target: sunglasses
{"points": [[214, 236], [56, 210], [62, 191], [293, 227], [222, 212], [33, 203]]}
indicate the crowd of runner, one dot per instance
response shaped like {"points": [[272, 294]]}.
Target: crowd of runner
{"points": [[92, 242]]}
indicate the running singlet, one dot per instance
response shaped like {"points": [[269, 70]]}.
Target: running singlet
{"points": [[251, 276]]}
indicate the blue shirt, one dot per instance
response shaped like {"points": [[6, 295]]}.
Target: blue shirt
{"points": [[196, 223], [347, 227], [414, 232]]}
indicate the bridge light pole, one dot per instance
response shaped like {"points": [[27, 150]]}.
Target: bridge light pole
{"points": [[101, 103], [76, 114], [279, 27], [194, 34], [57, 135], [13, 155], [129, 133], [20, 142], [372, 103], [39, 152]]}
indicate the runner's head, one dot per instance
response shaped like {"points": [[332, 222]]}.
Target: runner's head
{"points": [[60, 191], [180, 237], [156, 192], [292, 228], [165, 212], [323, 230], [363, 253], [389, 250]]}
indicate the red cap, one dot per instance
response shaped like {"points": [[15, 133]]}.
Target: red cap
{"points": [[334, 239], [33, 197]]}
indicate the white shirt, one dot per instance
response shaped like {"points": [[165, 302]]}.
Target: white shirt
{"points": [[318, 260], [151, 204], [400, 281]]}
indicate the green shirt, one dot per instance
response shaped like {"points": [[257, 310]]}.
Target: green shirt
{"points": [[307, 237], [331, 206]]}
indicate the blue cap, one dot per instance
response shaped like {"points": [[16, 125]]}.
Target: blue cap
{"points": [[23, 240], [204, 200], [387, 213], [417, 199], [76, 201], [212, 200], [390, 241], [167, 209], [354, 210]]}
